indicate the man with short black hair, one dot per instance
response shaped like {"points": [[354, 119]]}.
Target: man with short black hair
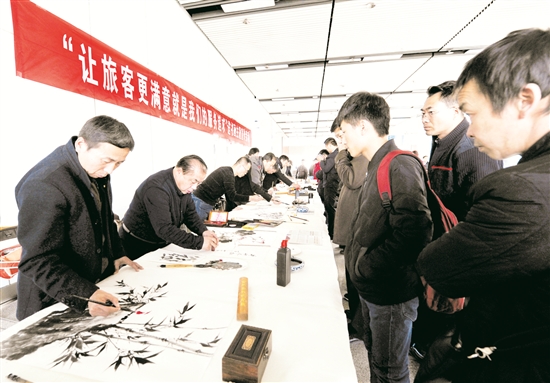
{"points": [[221, 182], [66, 223], [161, 205], [330, 183], [498, 255], [385, 243], [455, 164]]}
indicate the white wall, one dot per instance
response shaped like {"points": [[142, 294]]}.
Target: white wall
{"points": [[159, 34]]}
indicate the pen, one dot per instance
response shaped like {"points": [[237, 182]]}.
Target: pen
{"points": [[16, 378], [108, 303], [303, 219]]}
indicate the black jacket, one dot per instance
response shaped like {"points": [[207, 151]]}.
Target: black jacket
{"points": [[499, 256], [245, 186], [159, 208], [60, 230], [273, 179], [221, 181], [455, 165], [384, 246], [330, 175]]}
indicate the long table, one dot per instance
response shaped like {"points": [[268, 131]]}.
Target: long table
{"points": [[182, 320]]}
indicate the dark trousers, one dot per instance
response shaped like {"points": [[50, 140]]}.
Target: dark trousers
{"points": [[328, 201], [135, 248]]}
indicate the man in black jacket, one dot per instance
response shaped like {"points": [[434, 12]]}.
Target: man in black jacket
{"points": [[455, 165], [222, 182], [331, 180], [385, 243], [66, 225], [161, 204], [498, 256]]}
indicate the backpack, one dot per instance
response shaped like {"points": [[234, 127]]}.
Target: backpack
{"points": [[443, 221]]}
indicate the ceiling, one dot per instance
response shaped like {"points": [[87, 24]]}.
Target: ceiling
{"points": [[302, 58]]}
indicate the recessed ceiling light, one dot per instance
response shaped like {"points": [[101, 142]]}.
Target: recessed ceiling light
{"points": [[370, 4], [247, 5]]}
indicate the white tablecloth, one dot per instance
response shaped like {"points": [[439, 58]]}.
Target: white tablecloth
{"points": [[309, 327]]}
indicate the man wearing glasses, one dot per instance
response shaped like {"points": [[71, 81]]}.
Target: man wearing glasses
{"points": [[455, 165]]}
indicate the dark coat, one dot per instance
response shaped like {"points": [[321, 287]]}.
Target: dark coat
{"points": [[352, 173], [499, 256], [158, 210], [455, 165], [60, 230], [330, 175], [384, 246]]}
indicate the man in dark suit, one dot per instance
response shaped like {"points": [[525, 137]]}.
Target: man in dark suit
{"points": [[66, 225]]}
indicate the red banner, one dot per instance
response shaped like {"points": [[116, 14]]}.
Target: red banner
{"points": [[51, 51]]}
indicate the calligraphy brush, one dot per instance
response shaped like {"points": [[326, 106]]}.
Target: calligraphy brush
{"points": [[108, 303]]}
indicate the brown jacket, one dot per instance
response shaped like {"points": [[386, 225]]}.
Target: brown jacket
{"points": [[352, 172]]}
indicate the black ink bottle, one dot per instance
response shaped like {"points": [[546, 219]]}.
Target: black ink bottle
{"points": [[283, 264]]}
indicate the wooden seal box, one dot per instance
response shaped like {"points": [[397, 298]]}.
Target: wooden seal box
{"points": [[247, 356]]}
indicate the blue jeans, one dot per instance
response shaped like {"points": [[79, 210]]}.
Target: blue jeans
{"points": [[388, 331], [202, 207]]}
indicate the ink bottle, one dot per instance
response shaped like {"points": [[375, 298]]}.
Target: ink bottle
{"points": [[283, 264]]}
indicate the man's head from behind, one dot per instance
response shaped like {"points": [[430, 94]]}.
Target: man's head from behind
{"points": [[505, 90], [102, 145], [189, 172], [364, 118], [440, 113], [242, 166], [253, 152]]}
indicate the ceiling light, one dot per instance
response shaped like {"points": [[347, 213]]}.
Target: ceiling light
{"points": [[351, 59], [449, 52], [383, 57], [271, 67], [283, 99], [247, 5]]}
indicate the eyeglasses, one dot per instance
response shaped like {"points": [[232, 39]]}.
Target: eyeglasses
{"points": [[429, 113]]}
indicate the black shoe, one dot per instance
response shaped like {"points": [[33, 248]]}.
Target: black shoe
{"points": [[346, 297], [417, 352]]}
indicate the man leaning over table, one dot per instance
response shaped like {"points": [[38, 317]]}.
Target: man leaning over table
{"points": [[161, 205], [222, 182], [66, 224]]}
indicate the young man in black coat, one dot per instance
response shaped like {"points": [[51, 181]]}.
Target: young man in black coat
{"points": [[385, 243], [498, 256], [66, 225]]}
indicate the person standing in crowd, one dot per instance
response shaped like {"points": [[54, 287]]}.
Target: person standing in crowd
{"points": [[352, 172], [256, 167], [302, 171], [221, 182], [161, 205], [455, 165], [385, 243], [66, 223], [330, 183], [319, 176], [498, 255]]}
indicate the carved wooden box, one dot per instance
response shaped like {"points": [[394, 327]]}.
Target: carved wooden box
{"points": [[246, 358]]}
